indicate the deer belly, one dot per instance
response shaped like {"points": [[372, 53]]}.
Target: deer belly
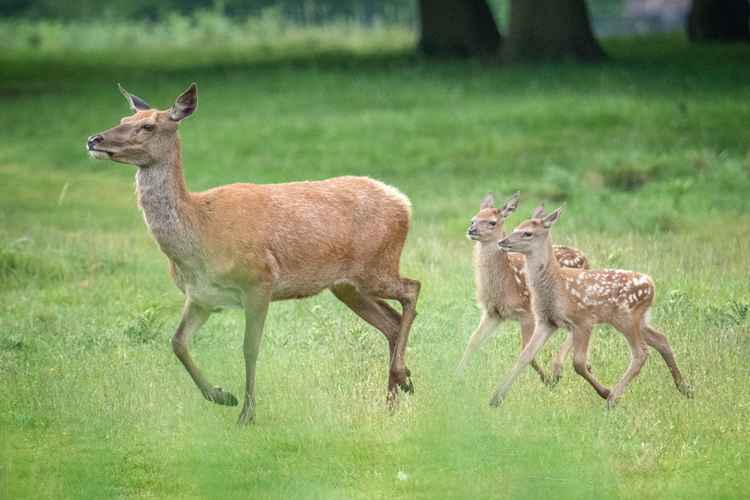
{"points": [[286, 290], [212, 295], [306, 282]]}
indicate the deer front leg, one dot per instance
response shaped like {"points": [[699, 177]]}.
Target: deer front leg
{"points": [[193, 317], [542, 332], [527, 331], [256, 307], [486, 325]]}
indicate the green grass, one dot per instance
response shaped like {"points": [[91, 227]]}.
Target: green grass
{"points": [[650, 152]]}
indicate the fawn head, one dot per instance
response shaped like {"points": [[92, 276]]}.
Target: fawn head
{"points": [[531, 235], [487, 224], [147, 135]]}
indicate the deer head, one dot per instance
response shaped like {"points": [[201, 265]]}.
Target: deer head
{"points": [[487, 224], [530, 236], [146, 136]]}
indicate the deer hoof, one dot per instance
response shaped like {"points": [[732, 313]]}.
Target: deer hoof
{"points": [[552, 381], [407, 386], [686, 390], [246, 418], [222, 397], [496, 401]]}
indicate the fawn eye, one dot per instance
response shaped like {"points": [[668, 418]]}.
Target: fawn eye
{"points": [[493, 223], [148, 127], [527, 234]]}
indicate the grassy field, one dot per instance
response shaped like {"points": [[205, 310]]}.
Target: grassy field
{"points": [[650, 152]]}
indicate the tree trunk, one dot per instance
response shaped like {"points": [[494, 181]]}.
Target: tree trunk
{"points": [[719, 21], [549, 30], [457, 28]]}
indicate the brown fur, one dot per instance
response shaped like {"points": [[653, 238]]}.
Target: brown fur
{"points": [[245, 245], [579, 299], [501, 289]]}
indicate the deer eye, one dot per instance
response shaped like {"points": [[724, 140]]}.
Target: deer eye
{"points": [[148, 127], [527, 234], [493, 223]]}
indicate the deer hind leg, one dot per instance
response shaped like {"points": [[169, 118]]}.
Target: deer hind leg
{"points": [[406, 291], [194, 317], [527, 331], [638, 356], [581, 337], [374, 311], [487, 324], [659, 341]]}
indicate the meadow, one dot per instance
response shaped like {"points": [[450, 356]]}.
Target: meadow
{"points": [[649, 151]]}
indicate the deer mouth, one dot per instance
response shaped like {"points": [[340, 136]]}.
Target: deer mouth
{"points": [[98, 154]]}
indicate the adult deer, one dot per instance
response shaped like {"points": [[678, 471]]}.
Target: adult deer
{"points": [[245, 245], [501, 289], [577, 300]]}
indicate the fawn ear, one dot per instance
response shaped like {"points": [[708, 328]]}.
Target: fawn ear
{"points": [[538, 212], [184, 105], [510, 206], [550, 219], [487, 202], [135, 102]]}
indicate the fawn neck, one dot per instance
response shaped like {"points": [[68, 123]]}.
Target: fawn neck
{"points": [[543, 272], [492, 267], [164, 200]]}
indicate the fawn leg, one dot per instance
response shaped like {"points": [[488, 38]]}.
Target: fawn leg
{"points": [[486, 325], [542, 332]]}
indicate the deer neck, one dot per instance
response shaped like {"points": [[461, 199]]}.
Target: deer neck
{"points": [[165, 202], [543, 272]]}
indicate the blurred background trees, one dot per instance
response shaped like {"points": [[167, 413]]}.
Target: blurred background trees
{"points": [[507, 30]]}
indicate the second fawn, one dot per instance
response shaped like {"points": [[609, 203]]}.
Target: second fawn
{"points": [[577, 300], [501, 288]]}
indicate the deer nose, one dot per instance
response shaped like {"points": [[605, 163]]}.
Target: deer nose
{"points": [[93, 141]]}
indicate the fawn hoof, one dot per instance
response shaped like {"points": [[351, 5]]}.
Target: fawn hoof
{"points": [[552, 381], [611, 403], [496, 401], [221, 397]]}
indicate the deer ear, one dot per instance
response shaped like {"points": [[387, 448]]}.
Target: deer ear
{"points": [[538, 212], [510, 206], [185, 105], [487, 202], [135, 102], [550, 219]]}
